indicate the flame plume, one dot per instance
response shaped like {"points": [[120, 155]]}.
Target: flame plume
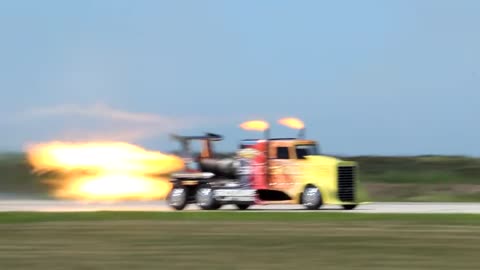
{"points": [[257, 125], [104, 170], [291, 122]]}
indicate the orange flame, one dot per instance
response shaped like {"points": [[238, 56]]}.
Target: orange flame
{"points": [[105, 170], [292, 122], [257, 125]]}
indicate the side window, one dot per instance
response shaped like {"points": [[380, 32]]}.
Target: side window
{"points": [[282, 153]]}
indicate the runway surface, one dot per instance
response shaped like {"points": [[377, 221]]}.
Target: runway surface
{"points": [[69, 206]]}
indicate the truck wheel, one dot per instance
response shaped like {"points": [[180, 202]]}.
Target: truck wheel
{"points": [[243, 206], [312, 198], [205, 199], [349, 206], [177, 198]]}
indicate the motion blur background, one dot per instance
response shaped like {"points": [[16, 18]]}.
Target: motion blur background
{"points": [[375, 81], [390, 84]]}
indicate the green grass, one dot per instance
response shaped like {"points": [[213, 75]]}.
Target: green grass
{"points": [[419, 169], [16, 177], [29, 217], [241, 240], [419, 178]]}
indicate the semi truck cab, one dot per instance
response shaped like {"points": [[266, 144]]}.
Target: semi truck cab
{"points": [[265, 171]]}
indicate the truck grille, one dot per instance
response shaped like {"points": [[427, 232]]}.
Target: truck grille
{"points": [[346, 183]]}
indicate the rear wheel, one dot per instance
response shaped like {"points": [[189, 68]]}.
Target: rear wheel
{"points": [[312, 198], [349, 206], [205, 198], [177, 198], [243, 206]]}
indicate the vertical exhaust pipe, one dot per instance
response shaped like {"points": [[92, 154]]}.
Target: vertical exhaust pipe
{"points": [[301, 133], [267, 154], [260, 125]]}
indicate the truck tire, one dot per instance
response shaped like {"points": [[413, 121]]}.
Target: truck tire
{"points": [[205, 199], [177, 198], [243, 206], [349, 206], [312, 198]]}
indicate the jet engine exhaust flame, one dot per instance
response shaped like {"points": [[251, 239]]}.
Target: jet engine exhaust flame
{"points": [[104, 170], [257, 125], [291, 122]]}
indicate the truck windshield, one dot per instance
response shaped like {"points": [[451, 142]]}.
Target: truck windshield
{"points": [[304, 150]]}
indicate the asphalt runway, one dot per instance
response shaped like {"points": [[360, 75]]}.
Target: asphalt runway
{"points": [[77, 206]]}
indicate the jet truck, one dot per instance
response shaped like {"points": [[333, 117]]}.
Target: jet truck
{"points": [[263, 171]]}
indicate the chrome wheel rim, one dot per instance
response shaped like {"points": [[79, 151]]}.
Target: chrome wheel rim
{"points": [[204, 196], [311, 196], [177, 197]]}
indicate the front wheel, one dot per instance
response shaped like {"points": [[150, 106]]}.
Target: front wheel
{"points": [[177, 198], [205, 198], [312, 198]]}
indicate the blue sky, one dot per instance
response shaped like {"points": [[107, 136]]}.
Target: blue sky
{"points": [[367, 77]]}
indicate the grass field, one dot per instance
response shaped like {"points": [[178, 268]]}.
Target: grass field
{"points": [[216, 240], [421, 178]]}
